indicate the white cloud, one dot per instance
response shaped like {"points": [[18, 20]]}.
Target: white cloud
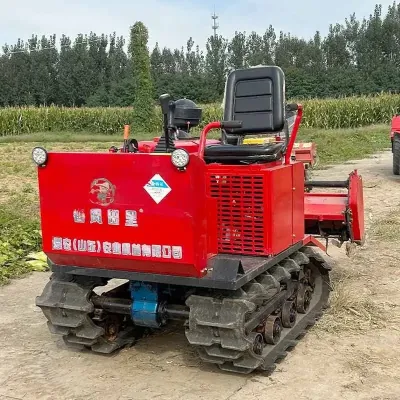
{"points": [[172, 22]]}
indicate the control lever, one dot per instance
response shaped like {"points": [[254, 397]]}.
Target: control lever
{"points": [[164, 101], [171, 114], [168, 110]]}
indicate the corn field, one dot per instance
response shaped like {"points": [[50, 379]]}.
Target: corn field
{"points": [[348, 112]]}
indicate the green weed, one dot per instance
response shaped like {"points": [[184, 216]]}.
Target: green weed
{"points": [[19, 237]]}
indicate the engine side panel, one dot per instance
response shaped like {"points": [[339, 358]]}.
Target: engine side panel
{"points": [[298, 201], [279, 208], [255, 207]]}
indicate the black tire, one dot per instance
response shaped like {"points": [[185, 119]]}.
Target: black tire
{"points": [[396, 154]]}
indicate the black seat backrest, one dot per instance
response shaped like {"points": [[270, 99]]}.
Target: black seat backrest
{"points": [[256, 97]]}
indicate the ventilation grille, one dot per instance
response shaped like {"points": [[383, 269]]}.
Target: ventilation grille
{"points": [[240, 213]]}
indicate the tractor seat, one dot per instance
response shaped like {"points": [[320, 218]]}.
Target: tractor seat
{"points": [[228, 153]]}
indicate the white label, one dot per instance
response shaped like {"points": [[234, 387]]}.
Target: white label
{"points": [[117, 248], [96, 216], [79, 216], [166, 252], [157, 188], [107, 248], [131, 218], [91, 246], [146, 250], [156, 251], [82, 245], [57, 243], [113, 217], [126, 249], [136, 250], [67, 244], [177, 252]]}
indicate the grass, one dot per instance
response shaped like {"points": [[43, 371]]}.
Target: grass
{"points": [[333, 145], [340, 145], [388, 228], [352, 307], [350, 311], [65, 137], [19, 237]]}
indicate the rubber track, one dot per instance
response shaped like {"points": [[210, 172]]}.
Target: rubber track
{"points": [[66, 304], [217, 324]]}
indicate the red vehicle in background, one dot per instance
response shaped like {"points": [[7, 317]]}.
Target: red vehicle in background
{"points": [[395, 139]]}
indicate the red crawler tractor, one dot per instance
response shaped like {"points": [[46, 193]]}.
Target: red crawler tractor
{"points": [[221, 236]]}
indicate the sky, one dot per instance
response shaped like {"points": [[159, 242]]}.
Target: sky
{"points": [[172, 22]]}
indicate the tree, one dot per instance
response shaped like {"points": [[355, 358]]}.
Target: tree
{"points": [[216, 65], [237, 50], [81, 72], [255, 51], [20, 79], [143, 106], [66, 86], [194, 59], [315, 53], [356, 57], [157, 70], [43, 74], [269, 46], [97, 62], [5, 77], [336, 49]]}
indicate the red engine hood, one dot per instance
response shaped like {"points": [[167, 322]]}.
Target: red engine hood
{"points": [[133, 212]]}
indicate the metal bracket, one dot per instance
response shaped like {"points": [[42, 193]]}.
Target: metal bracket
{"points": [[226, 269]]}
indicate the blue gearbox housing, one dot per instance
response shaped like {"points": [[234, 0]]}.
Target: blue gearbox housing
{"points": [[146, 309]]}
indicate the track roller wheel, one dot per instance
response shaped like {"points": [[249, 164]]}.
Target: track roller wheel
{"points": [[258, 343], [289, 314], [112, 327], [272, 329], [304, 297]]}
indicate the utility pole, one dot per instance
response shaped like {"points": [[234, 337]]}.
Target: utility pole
{"points": [[215, 24]]}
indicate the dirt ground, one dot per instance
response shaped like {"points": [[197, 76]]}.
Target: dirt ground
{"points": [[353, 353]]}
